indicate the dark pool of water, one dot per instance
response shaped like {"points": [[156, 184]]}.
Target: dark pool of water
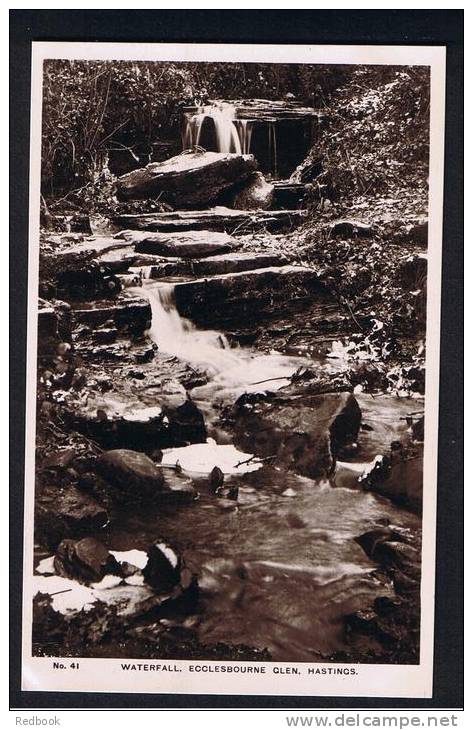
{"points": [[281, 569]]}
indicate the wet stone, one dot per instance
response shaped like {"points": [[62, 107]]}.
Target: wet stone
{"points": [[399, 479], [131, 473], [304, 431], [66, 512], [163, 569], [87, 560]]}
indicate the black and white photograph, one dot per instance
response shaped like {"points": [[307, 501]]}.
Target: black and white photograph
{"points": [[233, 356]]}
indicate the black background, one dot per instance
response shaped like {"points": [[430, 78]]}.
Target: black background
{"points": [[375, 27]]}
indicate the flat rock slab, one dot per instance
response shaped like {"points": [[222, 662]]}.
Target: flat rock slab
{"points": [[89, 244], [116, 253], [188, 179], [191, 244], [128, 312], [235, 222], [302, 431], [258, 293], [229, 263]]}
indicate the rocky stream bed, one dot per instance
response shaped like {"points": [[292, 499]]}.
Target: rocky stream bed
{"points": [[210, 481]]}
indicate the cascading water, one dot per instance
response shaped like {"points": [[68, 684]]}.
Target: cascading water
{"points": [[232, 370], [231, 134], [279, 567], [177, 336], [245, 132], [273, 149]]}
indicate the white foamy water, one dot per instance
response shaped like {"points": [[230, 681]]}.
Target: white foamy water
{"points": [[229, 135], [201, 458], [177, 336], [234, 371]]}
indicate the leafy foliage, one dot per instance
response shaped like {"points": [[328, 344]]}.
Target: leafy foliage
{"points": [[90, 108], [93, 107], [375, 136]]}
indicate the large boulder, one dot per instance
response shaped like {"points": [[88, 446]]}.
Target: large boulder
{"points": [[255, 194], [120, 420], [132, 474], [398, 477], [302, 431], [191, 244], [196, 178]]}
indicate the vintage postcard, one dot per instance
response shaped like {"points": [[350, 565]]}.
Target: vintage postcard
{"points": [[233, 354]]}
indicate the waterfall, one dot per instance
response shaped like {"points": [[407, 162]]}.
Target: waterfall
{"points": [[233, 371], [231, 135], [273, 150], [192, 129], [177, 336], [245, 132]]}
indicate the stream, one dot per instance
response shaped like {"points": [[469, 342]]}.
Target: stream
{"points": [[275, 553], [279, 569]]}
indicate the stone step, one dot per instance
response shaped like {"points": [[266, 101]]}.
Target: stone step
{"points": [[229, 263], [188, 244], [127, 313], [225, 299], [235, 222], [288, 194]]}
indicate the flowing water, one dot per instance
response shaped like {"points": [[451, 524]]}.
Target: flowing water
{"points": [[231, 134], [280, 568], [233, 370]]}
